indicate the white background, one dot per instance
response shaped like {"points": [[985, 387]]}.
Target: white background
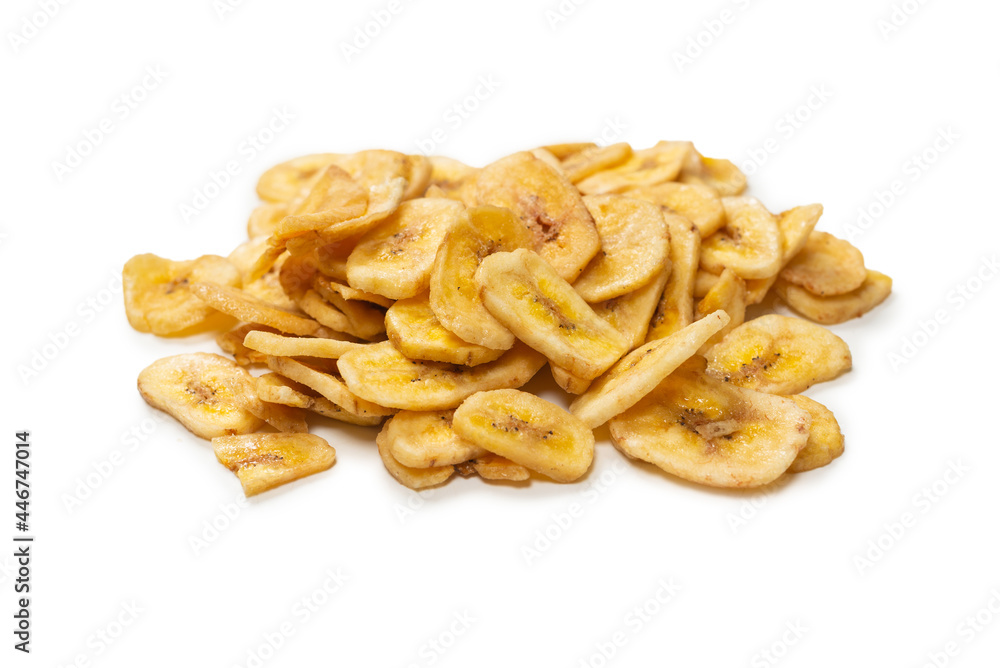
{"points": [[793, 563]]}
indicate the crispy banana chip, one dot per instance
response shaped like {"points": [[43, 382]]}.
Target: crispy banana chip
{"points": [[264, 220], [636, 374], [277, 389], [676, 308], [526, 295], [779, 355], [334, 198], [700, 204], [589, 161], [454, 296], [395, 259], [795, 226], [328, 386], [376, 166], [327, 288], [196, 389], [285, 182], [417, 333], [410, 477], [529, 431], [548, 158], [836, 308], [561, 228], [158, 295], [719, 174], [730, 295], [826, 266], [564, 151], [383, 200], [247, 308], [826, 442], [268, 343], [326, 313], [647, 167], [383, 374], [424, 440], [634, 247], [367, 321], [630, 314], [232, 342], [704, 282], [286, 419], [265, 461], [749, 244], [331, 259], [568, 382], [494, 467], [710, 432]]}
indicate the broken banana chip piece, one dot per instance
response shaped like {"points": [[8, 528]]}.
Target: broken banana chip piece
{"points": [[334, 198], [379, 371], [526, 295], [826, 442], [247, 308], [647, 167], [835, 309], [676, 307], [376, 166], [826, 266], [197, 390], [414, 478], [712, 432], [529, 431], [779, 355], [416, 332], [328, 386], [425, 439], [265, 461], [630, 314], [636, 374]]}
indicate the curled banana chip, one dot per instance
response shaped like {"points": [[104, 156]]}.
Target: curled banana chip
{"points": [[265, 461], [276, 389], [647, 167], [749, 244], [711, 432], [826, 266], [527, 430], [425, 439], [835, 309], [383, 200], [376, 166], [413, 478], [591, 160], [247, 308], [526, 295], [779, 355], [568, 382], [158, 296], [416, 332], [676, 307], [730, 295], [197, 390], [328, 386], [826, 442], [700, 204], [634, 247], [564, 151], [285, 182]]}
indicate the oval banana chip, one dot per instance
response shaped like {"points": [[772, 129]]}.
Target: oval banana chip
{"points": [[826, 266], [265, 461], [589, 161], [568, 382], [564, 151], [779, 355], [835, 309], [647, 167], [413, 478], [286, 181], [710, 432], [749, 244], [424, 440], [529, 431], [416, 332], [700, 204], [268, 343], [826, 442], [676, 307]]}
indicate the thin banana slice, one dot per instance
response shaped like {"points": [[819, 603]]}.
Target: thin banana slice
{"points": [[286, 419], [380, 373], [548, 158], [730, 295], [705, 281], [720, 174], [327, 288], [589, 161], [561, 228], [334, 198], [367, 321], [494, 467], [634, 247], [196, 389], [835, 309], [383, 201], [529, 431], [749, 244], [700, 204], [158, 296], [454, 296], [268, 343], [711, 432], [285, 182], [568, 382], [247, 308], [410, 477], [631, 314], [331, 258], [328, 386], [452, 179], [264, 220], [231, 341], [276, 389], [326, 314], [377, 166], [676, 308], [795, 226], [647, 167], [395, 259], [265, 461], [564, 151], [417, 333], [526, 295], [826, 266], [424, 440], [826, 442], [636, 374], [779, 355]]}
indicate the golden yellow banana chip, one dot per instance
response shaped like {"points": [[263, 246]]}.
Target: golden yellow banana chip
{"points": [[564, 151], [265, 461], [704, 281], [231, 341], [730, 295], [630, 314], [383, 200], [416, 332], [719, 174], [589, 161], [334, 198], [376, 166], [826, 442], [285, 182], [328, 386], [276, 389], [826, 266], [264, 220], [328, 287], [700, 204], [268, 343], [835, 309], [247, 308], [795, 226], [413, 478], [647, 167], [749, 244], [424, 440], [494, 467], [568, 382], [676, 307]]}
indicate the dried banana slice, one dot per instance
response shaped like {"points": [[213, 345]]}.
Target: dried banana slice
{"points": [[826, 442], [568, 382], [268, 343], [327, 288], [416, 332], [548, 158], [232, 342], [158, 295], [264, 220], [836, 308], [276, 389], [424, 440], [676, 308], [634, 247], [247, 308], [395, 259], [526, 295], [494, 467], [564, 151], [647, 167], [720, 174], [711, 432], [196, 389], [730, 295], [795, 226], [410, 477], [749, 244], [631, 314], [779, 355], [561, 228], [454, 296], [705, 281], [265, 461], [377, 166], [379, 372], [286, 419], [826, 266], [527, 430], [367, 321], [383, 201], [334, 198], [331, 258], [700, 204], [636, 374], [328, 386], [325, 313], [286, 181], [589, 161]]}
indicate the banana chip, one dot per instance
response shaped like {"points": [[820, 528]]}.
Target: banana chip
{"points": [[795, 226], [494, 467], [265, 461], [410, 477], [564, 151], [647, 167], [264, 220], [416, 332], [328, 386], [568, 382], [327, 288], [826, 266], [383, 200], [836, 308], [631, 314], [704, 281], [826, 442], [676, 307], [232, 342], [276, 389], [376, 166], [700, 204], [247, 308], [589, 161], [285, 182], [749, 244], [334, 198], [268, 343], [730, 295], [426, 440], [721, 175]]}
